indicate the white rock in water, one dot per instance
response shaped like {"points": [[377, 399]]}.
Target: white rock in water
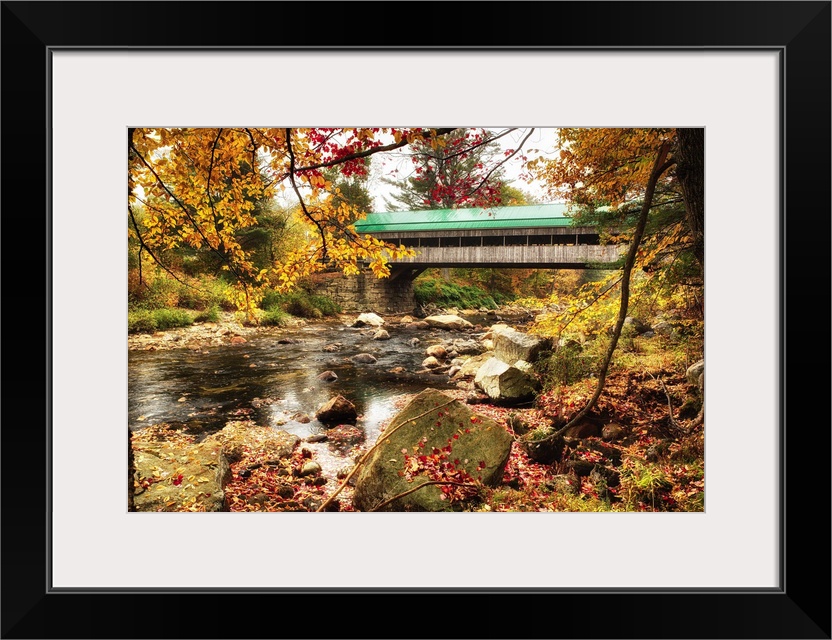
{"points": [[368, 319]]}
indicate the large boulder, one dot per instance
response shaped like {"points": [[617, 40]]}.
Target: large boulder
{"points": [[243, 438], [505, 383], [443, 432], [180, 477], [467, 347], [511, 345], [469, 368], [448, 322], [337, 410], [368, 320]]}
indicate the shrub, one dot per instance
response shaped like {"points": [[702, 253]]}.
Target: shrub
{"points": [[301, 304], [568, 364], [172, 318], [148, 320], [140, 321], [274, 317], [449, 294], [211, 314]]}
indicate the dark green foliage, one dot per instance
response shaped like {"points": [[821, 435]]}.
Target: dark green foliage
{"points": [[146, 320], [275, 317], [300, 303], [567, 365], [449, 294], [211, 314]]}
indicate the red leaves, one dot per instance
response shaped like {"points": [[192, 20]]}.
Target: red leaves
{"points": [[177, 480]]}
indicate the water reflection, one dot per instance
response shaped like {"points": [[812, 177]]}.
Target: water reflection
{"points": [[271, 383]]}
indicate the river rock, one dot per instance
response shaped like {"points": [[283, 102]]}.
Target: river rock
{"points": [[437, 351], [453, 371], [481, 448], [469, 368], [406, 320], [331, 348], [511, 345], [337, 409], [174, 477], [448, 322], [694, 371], [302, 418], [505, 383], [364, 358], [327, 376], [584, 429], [310, 468], [636, 325], [381, 334], [288, 341], [245, 438], [664, 328], [238, 340], [345, 436], [368, 320], [398, 370], [419, 324], [431, 363], [414, 342], [612, 431], [467, 347]]}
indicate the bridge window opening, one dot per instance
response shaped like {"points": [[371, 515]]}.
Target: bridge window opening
{"points": [[410, 242], [516, 241], [470, 241], [588, 238], [540, 240], [449, 242], [428, 242], [563, 240], [493, 241]]}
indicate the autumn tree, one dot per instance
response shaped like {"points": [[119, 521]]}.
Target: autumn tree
{"points": [[466, 170], [629, 182], [200, 188]]}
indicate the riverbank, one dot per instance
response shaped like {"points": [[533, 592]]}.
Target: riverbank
{"points": [[228, 330], [631, 453]]}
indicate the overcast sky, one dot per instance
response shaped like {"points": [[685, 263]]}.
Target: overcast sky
{"points": [[541, 142]]}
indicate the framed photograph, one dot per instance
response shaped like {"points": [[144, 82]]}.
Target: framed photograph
{"points": [[78, 76]]}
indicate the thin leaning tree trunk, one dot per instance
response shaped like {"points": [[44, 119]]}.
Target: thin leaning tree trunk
{"points": [[660, 165]]}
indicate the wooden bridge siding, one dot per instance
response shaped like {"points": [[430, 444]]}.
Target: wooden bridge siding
{"points": [[476, 233], [517, 255]]}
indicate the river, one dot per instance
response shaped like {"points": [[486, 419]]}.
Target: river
{"points": [[271, 383]]}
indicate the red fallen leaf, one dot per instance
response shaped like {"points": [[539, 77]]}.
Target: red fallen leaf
{"points": [[178, 480], [456, 436]]}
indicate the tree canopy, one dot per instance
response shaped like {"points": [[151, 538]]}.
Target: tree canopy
{"points": [[202, 188]]}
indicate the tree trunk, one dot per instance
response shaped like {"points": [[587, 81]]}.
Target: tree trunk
{"points": [[690, 170], [659, 167], [131, 472]]}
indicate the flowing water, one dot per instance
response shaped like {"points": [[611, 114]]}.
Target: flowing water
{"points": [[271, 383]]}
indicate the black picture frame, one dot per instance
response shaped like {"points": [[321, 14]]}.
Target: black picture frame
{"points": [[800, 608]]}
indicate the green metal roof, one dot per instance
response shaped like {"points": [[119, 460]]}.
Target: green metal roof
{"points": [[542, 215]]}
